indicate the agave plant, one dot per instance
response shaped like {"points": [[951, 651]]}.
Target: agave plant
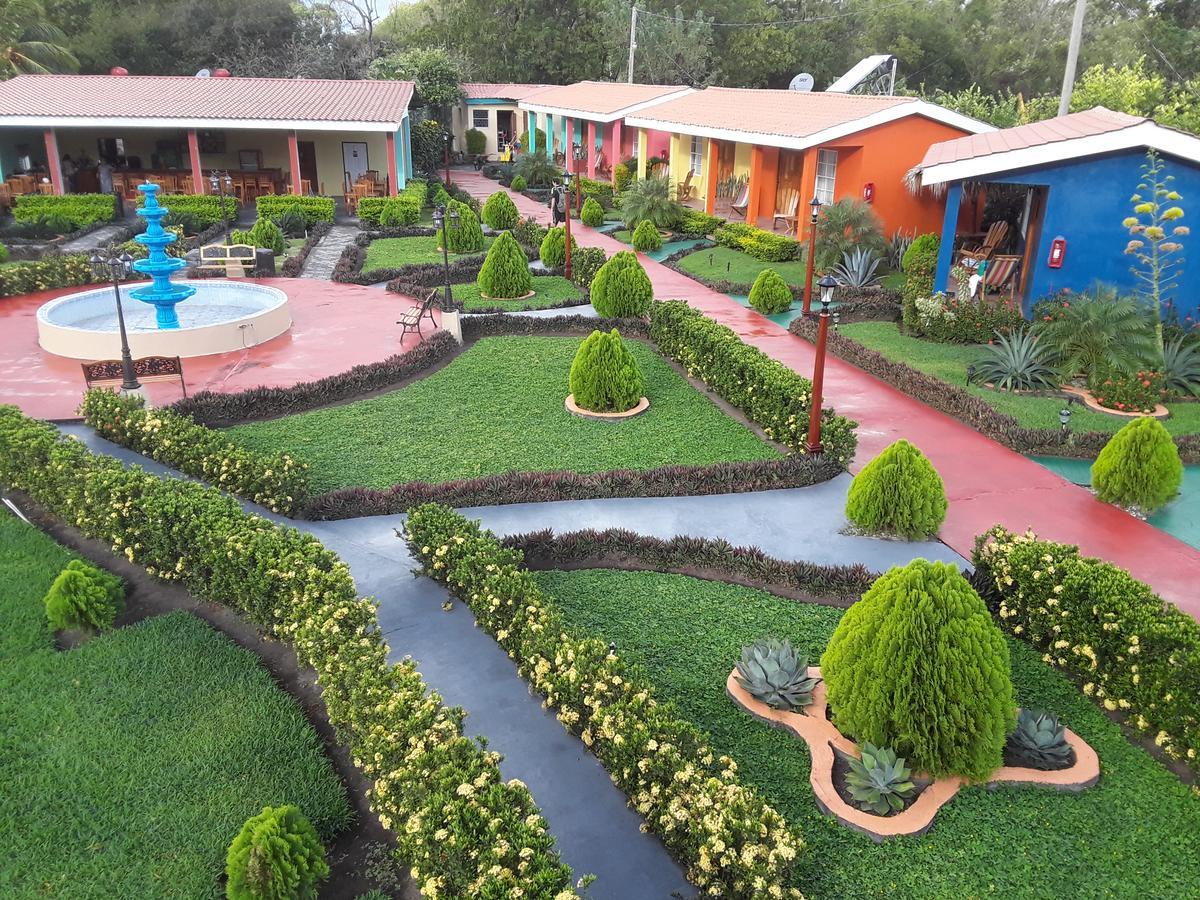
{"points": [[650, 199], [899, 242], [858, 268], [772, 671], [1040, 740], [1181, 367], [1101, 330], [879, 782], [1016, 362]]}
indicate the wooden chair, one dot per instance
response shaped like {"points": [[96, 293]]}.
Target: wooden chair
{"points": [[1001, 272], [6, 199], [603, 169], [264, 185], [791, 202], [108, 372], [305, 187], [741, 203], [186, 185], [991, 241], [412, 317], [44, 188], [683, 190]]}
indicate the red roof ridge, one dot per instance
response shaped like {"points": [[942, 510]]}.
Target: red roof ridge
{"points": [[70, 76]]}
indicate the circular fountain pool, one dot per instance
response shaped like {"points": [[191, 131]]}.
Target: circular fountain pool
{"points": [[221, 317]]}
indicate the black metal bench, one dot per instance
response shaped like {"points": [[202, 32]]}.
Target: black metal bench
{"points": [[411, 319]]}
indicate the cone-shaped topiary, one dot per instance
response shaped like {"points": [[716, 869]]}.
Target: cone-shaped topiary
{"points": [[592, 213], [466, 236], [84, 596], [898, 492], [622, 289], [1139, 466], [499, 212], [770, 293], [505, 273], [518, 183], [646, 238], [604, 375], [276, 855], [554, 248], [918, 665]]}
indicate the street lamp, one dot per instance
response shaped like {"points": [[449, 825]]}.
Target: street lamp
{"points": [[220, 182], [115, 268], [815, 205], [1064, 419], [580, 159], [813, 445], [439, 222], [446, 154], [567, 222]]}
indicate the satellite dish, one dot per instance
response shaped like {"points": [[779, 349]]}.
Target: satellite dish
{"points": [[203, 73], [802, 82]]}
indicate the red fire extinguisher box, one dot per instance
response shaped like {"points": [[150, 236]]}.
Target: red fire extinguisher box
{"points": [[1058, 252]]}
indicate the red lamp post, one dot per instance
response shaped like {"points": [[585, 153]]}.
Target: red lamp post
{"points": [[813, 444], [815, 206], [567, 223]]}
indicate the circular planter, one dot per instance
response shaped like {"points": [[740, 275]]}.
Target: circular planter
{"points": [[1160, 411], [574, 409], [509, 299]]}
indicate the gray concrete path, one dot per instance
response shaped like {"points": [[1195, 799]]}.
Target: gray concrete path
{"points": [[324, 257], [93, 240]]}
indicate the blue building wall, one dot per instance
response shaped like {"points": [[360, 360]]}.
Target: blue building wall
{"points": [[1085, 203]]}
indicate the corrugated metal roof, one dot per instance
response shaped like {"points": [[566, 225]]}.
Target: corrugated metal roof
{"points": [[480, 90], [602, 98]]}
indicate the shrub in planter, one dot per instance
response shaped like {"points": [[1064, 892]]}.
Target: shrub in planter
{"points": [[918, 665], [476, 142], [646, 238], [505, 273], [518, 183], [553, 250], [499, 212], [467, 236], [604, 375], [585, 263], [621, 288], [84, 596], [898, 492], [1139, 466], [276, 855], [770, 293], [592, 213]]}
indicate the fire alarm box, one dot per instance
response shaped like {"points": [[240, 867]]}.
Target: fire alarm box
{"points": [[869, 191], [1058, 250]]}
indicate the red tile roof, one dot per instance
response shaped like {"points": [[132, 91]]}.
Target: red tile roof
{"points": [[480, 90], [188, 97], [602, 98]]}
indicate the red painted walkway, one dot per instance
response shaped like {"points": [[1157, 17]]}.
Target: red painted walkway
{"points": [[987, 484]]}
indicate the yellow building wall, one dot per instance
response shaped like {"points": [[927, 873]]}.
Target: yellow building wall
{"points": [[741, 159], [462, 118]]}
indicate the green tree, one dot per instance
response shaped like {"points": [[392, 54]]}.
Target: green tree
{"points": [[434, 72], [29, 45], [466, 236], [604, 375], [499, 212], [1129, 89], [505, 273], [276, 855], [622, 288]]}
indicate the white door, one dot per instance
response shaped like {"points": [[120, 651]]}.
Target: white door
{"points": [[354, 161]]}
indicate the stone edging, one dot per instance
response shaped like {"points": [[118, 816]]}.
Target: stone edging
{"points": [[1160, 411], [824, 740], [525, 296], [576, 410]]}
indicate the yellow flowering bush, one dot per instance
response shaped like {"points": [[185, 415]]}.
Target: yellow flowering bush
{"points": [[733, 843], [1132, 651], [52, 271]]}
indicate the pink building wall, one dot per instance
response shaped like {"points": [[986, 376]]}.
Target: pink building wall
{"points": [[658, 143]]}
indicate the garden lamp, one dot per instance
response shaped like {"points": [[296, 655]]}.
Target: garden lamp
{"points": [[566, 223], [1064, 418], [446, 146], [815, 206], [971, 375], [837, 319], [826, 284], [115, 268], [439, 222], [813, 444]]}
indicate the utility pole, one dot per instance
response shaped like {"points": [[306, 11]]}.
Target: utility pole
{"points": [[1068, 84], [632, 40]]}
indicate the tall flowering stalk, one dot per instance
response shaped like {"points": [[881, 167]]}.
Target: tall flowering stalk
{"points": [[1158, 254]]}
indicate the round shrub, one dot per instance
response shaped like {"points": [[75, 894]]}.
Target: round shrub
{"points": [[467, 236], [505, 273], [1139, 466], [604, 375], [499, 212], [268, 235], [83, 596], [518, 183], [554, 248], [276, 855], [918, 665], [898, 492], [646, 237], [592, 213], [621, 288], [770, 293]]}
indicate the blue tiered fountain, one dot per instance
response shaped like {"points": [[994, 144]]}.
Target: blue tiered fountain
{"points": [[161, 292]]}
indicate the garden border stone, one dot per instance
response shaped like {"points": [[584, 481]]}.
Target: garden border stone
{"points": [[576, 410]]}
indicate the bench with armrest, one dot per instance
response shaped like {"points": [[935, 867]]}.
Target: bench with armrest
{"points": [[108, 372], [410, 320], [235, 260]]}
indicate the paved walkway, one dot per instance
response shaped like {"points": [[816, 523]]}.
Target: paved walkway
{"points": [[101, 237], [324, 257], [986, 483]]}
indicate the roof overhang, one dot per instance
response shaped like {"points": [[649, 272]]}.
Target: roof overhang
{"points": [[1145, 134], [204, 124], [826, 135], [532, 106]]}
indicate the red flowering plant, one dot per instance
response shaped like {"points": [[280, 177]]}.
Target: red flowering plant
{"points": [[1136, 392]]}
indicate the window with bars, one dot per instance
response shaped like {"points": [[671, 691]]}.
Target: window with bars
{"points": [[696, 159], [479, 118], [826, 174]]}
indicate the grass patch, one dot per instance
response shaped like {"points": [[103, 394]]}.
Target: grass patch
{"points": [[734, 265], [1132, 831], [129, 764], [391, 253], [949, 362], [498, 407], [549, 290]]}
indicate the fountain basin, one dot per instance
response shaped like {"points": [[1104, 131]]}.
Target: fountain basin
{"points": [[222, 316]]}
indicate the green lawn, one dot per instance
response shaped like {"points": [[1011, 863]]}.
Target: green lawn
{"points": [[129, 764], [734, 265], [1132, 835], [499, 408], [949, 362], [549, 290], [391, 253]]}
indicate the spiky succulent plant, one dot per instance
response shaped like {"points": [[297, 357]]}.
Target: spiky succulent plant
{"points": [[879, 782], [1040, 740], [772, 671]]}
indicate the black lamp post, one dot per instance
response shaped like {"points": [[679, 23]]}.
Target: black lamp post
{"points": [[114, 269], [439, 222], [815, 205], [220, 182], [813, 445], [1064, 419], [567, 222], [580, 159], [446, 155]]}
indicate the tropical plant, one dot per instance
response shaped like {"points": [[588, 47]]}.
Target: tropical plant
{"points": [[585, 263], [621, 287], [1040, 741], [536, 169], [1017, 361], [646, 238], [918, 665], [291, 222], [651, 200], [898, 492], [1097, 331], [844, 225], [276, 855], [499, 212], [772, 671], [858, 268], [465, 236], [266, 234], [897, 246], [1158, 253], [604, 375], [879, 782], [592, 213], [29, 44], [505, 272], [770, 293], [1181, 366], [1138, 467], [84, 596], [553, 251], [518, 183]]}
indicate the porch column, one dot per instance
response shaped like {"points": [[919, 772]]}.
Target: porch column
{"points": [[808, 190], [408, 157], [531, 127], [294, 161], [194, 156], [941, 281], [401, 157], [393, 170], [756, 179], [710, 177], [550, 136], [591, 149], [54, 162], [567, 144], [643, 152], [615, 131]]}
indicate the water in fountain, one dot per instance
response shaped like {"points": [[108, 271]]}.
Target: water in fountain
{"points": [[161, 292]]}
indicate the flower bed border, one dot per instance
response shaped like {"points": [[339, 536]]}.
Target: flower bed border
{"points": [[576, 410]]}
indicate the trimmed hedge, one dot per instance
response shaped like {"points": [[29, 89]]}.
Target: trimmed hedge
{"points": [[765, 245], [734, 844], [291, 587], [600, 191], [770, 293], [592, 213], [499, 212], [1139, 466], [646, 238], [621, 288], [394, 212], [505, 272], [314, 209], [81, 210], [899, 492], [768, 392], [204, 208], [697, 223], [52, 271]]}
